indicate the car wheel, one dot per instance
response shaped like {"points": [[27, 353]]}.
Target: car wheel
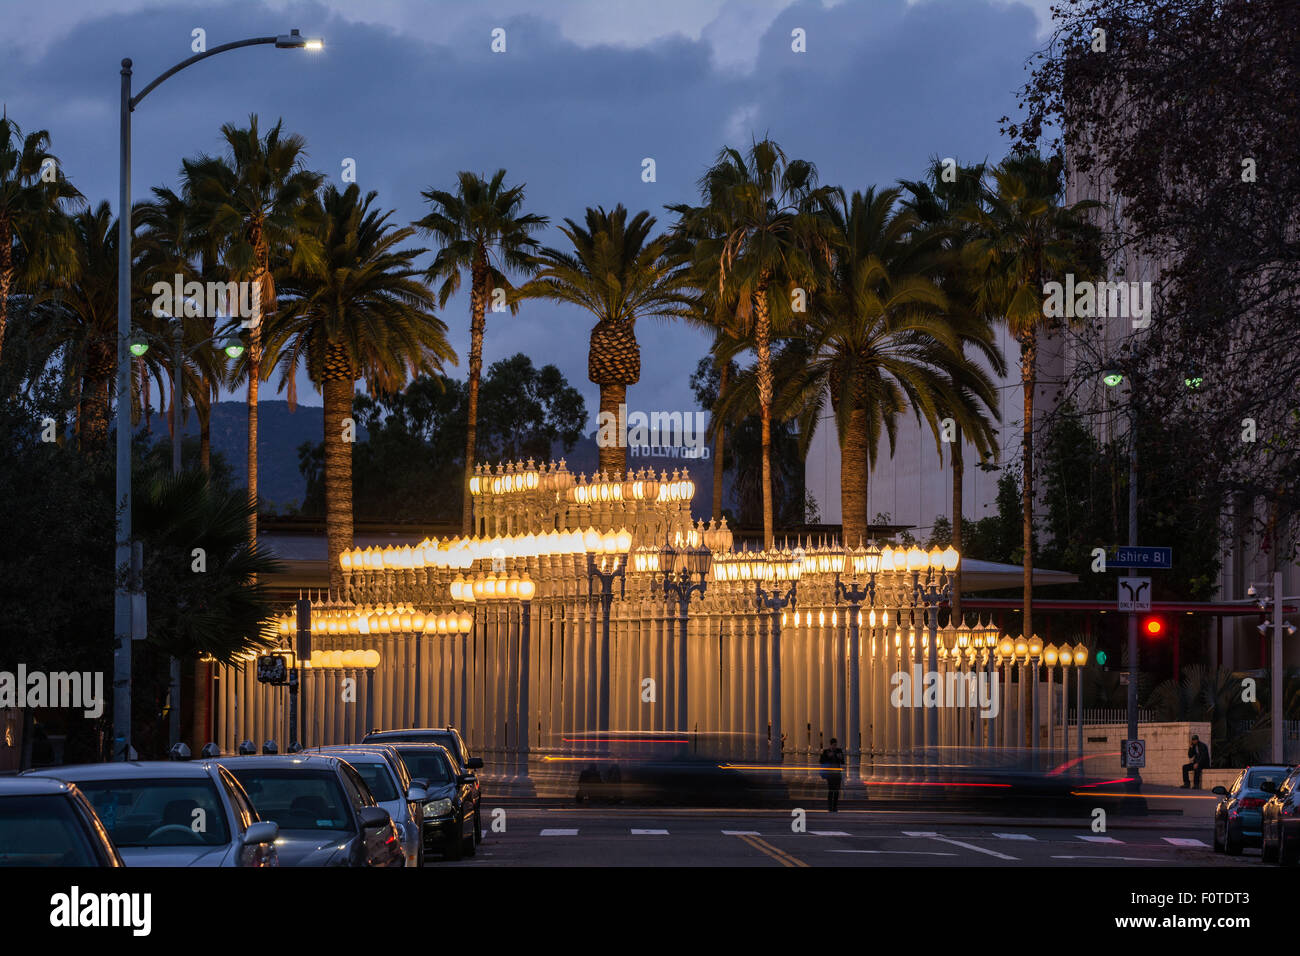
{"points": [[1218, 843], [1231, 842], [478, 829], [455, 849], [419, 854], [1268, 852]]}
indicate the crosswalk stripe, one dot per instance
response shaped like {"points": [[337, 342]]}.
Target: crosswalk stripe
{"points": [[741, 833], [1183, 841], [559, 832], [1097, 839], [828, 833], [1015, 836], [920, 833], [649, 832]]}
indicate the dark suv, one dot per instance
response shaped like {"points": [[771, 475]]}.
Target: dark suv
{"points": [[450, 817], [450, 738]]}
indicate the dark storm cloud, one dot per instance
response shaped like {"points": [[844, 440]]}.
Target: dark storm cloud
{"points": [[883, 86]]}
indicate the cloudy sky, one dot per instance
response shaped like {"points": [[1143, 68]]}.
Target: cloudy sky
{"points": [[584, 92]]}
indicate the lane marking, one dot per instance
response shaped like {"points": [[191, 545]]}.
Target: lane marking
{"points": [[649, 832], [1098, 839], [920, 833], [977, 849], [904, 852], [1015, 836], [559, 832], [1185, 841], [741, 833], [785, 859], [1133, 859], [828, 833]]}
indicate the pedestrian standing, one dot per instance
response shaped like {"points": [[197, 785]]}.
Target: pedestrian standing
{"points": [[833, 759]]}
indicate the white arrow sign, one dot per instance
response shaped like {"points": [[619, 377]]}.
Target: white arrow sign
{"points": [[1133, 594]]}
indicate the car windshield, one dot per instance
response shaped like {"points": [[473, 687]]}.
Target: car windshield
{"points": [[150, 813], [444, 737], [296, 799], [378, 778], [431, 765], [1255, 779], [42, 831]]}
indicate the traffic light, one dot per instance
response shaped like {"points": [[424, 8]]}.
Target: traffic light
{"points": [[1153, 626]]}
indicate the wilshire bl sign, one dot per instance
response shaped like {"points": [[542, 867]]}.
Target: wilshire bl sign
{"points": [[1136, 556]]}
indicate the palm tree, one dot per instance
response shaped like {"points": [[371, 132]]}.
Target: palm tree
{"points": [[361, 312], [169, 247], [478, 229], [619, 274], [757, 226], [255, 204], [86, 308], [939, 203], [881, 344], [1025, 235], [34, 239]]}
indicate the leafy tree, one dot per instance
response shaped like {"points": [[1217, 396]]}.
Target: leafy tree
{"points": [[480, 229]]}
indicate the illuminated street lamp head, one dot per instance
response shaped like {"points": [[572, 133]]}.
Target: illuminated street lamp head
{"points": [[1194, 381], [138, 345], [233, 347], [1112, 377], [296, 41]]}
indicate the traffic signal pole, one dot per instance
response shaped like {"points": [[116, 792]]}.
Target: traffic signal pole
{"points": [[1134, 773]]}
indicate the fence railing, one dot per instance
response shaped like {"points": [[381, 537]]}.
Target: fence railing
{"points": [[1110, 715]]}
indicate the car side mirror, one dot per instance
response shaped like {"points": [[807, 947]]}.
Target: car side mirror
{"points": [[372, 818], [265, 831], [474, 763], [1221, 791], [417, 794], [419, 783], [465, 780], [1268, 786]]}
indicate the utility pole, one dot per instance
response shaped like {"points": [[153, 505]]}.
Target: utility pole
{"points": [[1136, 774]]}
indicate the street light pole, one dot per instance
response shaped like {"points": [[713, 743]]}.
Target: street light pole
{"points": [[122, 623], [1135, 773]]}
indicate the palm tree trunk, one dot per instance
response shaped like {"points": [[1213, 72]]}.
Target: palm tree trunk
{"points": [[204, 411], [719, 435], [1028, 355], [763, 348], [613, 460], [337, 390], [477, 312], [100, 365], [254, 379], [6, 277], [854, 475], [958, 471]]}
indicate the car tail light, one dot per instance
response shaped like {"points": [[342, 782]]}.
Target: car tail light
{"points": [[259, 854], [1250, 803]]}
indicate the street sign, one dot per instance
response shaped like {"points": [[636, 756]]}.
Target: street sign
{"points": [[1137, 556], [1134, 754], [1133, 594]]}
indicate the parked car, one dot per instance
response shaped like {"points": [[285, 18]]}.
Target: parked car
{"points": [[48, 822], [450, 817], [173, 813], [450, 738], [1280, 820], [326, 813], [385, 774], [1238, 813]]}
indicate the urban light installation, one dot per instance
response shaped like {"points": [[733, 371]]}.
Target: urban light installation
{"points": [[612, 548], [859, 563], [933, 590], [679, 568], [777, 570], [124, 628]]}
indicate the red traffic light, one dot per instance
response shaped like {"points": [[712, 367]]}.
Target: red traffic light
{"points": [[1153, 627]]}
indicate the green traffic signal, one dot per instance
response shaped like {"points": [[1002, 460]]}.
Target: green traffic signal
{"points": [[1101, 658]]}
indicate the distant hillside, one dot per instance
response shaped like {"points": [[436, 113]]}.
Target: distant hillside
{"points": [[280, 432]]}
